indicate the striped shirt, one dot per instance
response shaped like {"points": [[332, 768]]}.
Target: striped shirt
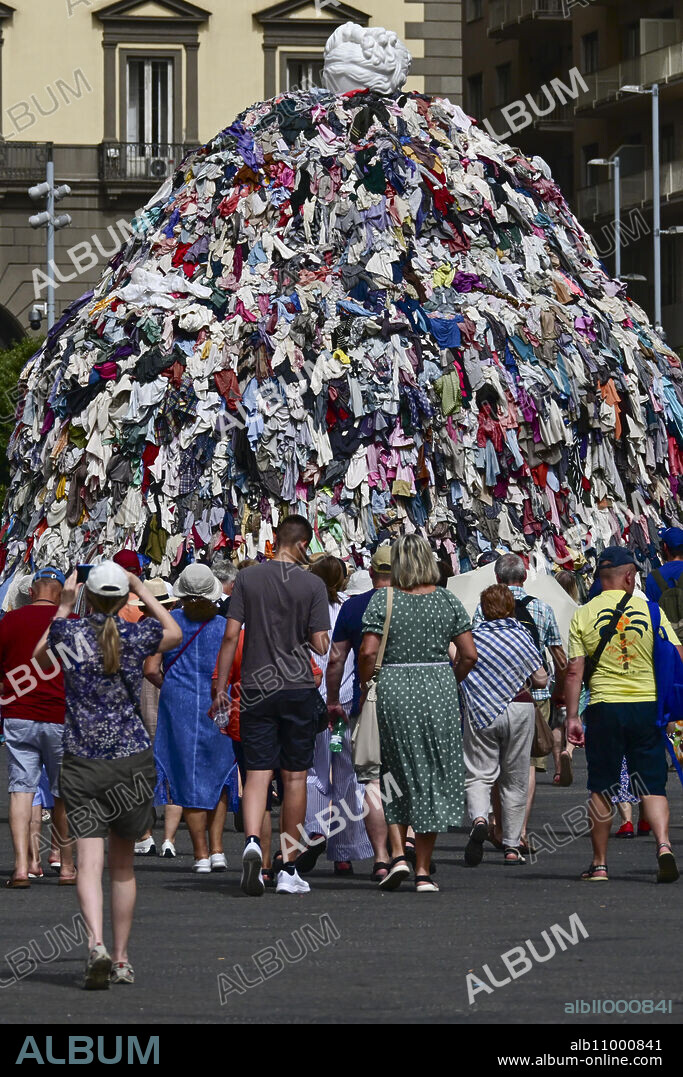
{"points": [[548, 630], [507, 656]]}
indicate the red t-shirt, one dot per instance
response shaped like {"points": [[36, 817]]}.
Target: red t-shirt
{"points": [[43, 701]]}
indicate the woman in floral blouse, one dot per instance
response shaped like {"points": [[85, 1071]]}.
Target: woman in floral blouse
{"points": [[107, 777]]}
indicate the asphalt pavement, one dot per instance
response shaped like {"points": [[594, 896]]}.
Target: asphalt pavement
{"points": [[347, 953]]}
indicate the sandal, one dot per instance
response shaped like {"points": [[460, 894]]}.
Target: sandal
{"points": [[410, 851], [122, 973], [411, 856], [556, 778], [397, 873], [307, 860], [474, 850], [379, 870], [68, 880], [16, 884], [525, 848], [493, 840], [589, 875], [36, 874], [343, 867], [513, 856], [667, 871], [566, 772], [424, 884]]}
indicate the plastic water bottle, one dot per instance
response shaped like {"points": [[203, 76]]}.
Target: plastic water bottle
{"points": [[337, 738]]}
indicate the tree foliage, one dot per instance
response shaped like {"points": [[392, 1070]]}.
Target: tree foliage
{"points": [[12, 362]]}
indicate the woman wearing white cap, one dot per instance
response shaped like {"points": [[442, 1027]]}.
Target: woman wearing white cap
{"points": [[193, 760], [107, 777]]}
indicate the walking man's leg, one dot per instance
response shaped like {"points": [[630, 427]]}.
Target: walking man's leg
{"points": [[20, 808]]}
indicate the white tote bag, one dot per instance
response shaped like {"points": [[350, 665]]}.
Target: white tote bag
{"points": [[365, 738]]}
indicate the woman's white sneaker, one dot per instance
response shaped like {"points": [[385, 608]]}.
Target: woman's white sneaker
{"points": [[291, 884], [202, 867], [145, 847], [168, 849], [218, 862], [252, 861]]}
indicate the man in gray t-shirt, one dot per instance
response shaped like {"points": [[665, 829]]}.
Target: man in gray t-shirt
{"points": [[280, 605], [285, 614]]}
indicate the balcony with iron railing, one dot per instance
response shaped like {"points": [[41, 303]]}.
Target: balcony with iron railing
{"points": [[128, 165], [134, 162], [662, 66], [636, 190], [507, 16]]}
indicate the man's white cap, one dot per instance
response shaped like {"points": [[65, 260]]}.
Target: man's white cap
{"points": [[108, 580]]}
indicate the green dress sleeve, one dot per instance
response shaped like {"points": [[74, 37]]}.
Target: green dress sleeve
{"points": [[373, 618], [461, 620]]}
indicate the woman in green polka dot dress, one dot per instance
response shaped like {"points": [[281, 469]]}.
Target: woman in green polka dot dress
{"points": [[417, 702]]}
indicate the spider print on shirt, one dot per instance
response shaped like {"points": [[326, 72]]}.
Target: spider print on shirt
{"points": [[628, 622]]}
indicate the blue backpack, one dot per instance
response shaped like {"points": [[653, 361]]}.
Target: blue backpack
{"points": [[668, 669]]}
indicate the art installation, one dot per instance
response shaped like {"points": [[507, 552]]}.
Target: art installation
{"points": [[353, 304]]}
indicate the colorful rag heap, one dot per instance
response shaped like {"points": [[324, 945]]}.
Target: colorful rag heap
{"points": [[364, 309]]}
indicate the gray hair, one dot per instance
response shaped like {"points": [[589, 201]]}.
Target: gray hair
{"points": [[510, 569], [224, 571]]}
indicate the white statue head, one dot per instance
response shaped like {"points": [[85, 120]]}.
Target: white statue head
{"points": [[362, 58]]}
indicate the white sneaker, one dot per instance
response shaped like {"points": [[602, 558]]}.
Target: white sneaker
{"points": [[202, 867], [218, 862], [291, 884], [168, 849], [146, 847], [252, 861]]}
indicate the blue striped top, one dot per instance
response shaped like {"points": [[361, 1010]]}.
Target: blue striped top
{"points": [[507, 656]]}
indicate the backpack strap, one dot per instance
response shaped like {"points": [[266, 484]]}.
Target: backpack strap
{"points": [[591, 662], [528, 621], [661, 582]]}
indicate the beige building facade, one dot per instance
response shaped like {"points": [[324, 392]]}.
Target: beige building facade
{"points": [[122, 90]]}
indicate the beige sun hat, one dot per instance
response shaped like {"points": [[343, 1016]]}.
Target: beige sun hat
{"points": [[161, 590], [198, 581]]}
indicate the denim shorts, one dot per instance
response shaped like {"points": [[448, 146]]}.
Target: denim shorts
{"points": [[30, 745]]}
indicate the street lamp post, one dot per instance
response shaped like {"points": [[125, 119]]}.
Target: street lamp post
{"points": [[656, 194], [615, 163], [47, 219]]}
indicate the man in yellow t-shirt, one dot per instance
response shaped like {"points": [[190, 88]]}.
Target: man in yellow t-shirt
{"points": [[621, 719]]}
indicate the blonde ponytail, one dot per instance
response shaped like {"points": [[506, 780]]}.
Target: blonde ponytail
{"points": [[110, 644], [107, 633]]}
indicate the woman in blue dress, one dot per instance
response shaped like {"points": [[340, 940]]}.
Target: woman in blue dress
{"points": [[193, 760]]}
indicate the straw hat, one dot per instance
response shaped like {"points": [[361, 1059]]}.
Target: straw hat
{"points": [[161, 590]]}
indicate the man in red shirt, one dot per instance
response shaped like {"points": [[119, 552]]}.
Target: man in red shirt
{"points": [[32, 705], [129, 561]]}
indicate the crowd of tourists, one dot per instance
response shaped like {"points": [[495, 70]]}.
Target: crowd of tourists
{"points": [[365, 703]]}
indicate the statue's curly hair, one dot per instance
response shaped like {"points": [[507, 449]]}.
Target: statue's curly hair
{"points": [[374, 57]]}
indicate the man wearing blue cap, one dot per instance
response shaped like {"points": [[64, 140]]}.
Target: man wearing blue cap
{"points": [[666, 577], [33, 718], [611, 642]]}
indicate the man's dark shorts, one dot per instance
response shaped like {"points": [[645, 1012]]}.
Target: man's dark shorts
{"points": [[109, 794], [615, 730], [280, 730]]}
